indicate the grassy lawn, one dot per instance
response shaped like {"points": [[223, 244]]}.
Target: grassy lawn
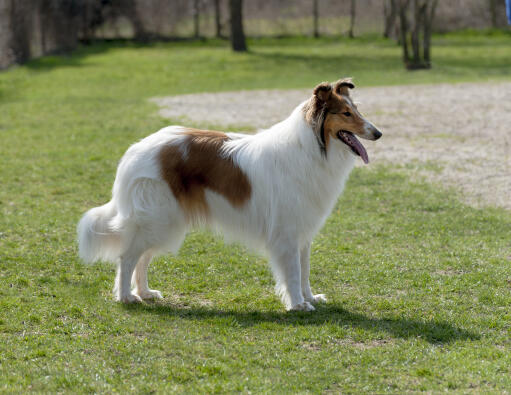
{"points": [[419, 285]]}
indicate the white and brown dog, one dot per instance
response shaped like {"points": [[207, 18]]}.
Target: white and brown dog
{"points": [[272, 190]]}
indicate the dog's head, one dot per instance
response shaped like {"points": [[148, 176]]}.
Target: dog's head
{"points": [[335, 119]]}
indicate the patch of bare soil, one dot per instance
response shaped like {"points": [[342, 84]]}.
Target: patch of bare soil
{"points": [[459, 135]]}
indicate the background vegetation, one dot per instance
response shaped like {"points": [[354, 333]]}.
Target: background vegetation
{"points": [[32, 28]]}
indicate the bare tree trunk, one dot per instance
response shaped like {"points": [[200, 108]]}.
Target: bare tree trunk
{"points": [[315, 17], [493, 13], [196, 14], [20, 43], [237, 33], [423, 12], [390, 13], [403, 20], [218, 23], [128, 8], [353, 10], [429, 15], [415, 33]]}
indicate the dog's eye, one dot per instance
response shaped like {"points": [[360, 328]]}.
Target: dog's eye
{"points": [[348, 114]]}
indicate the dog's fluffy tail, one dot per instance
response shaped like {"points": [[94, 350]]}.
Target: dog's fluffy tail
{"points": [[98, 238]]}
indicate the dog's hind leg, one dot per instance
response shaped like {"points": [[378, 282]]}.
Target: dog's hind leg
{"points": [[286, 268], [125, 268], [139, 279], [305, 272]]}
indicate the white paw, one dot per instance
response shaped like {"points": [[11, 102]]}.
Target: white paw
{"points": [[149, 294], [130, 298], [319, 298], [304, 306]]}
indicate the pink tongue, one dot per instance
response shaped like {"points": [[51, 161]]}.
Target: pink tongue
{"points": [[360, 149]]}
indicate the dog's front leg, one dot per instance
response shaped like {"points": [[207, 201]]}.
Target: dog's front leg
{"points": [[286, 268], [305, 271]]}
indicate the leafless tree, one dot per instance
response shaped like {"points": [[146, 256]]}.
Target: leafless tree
{"points": [[20, 43], [493, 12], [196, 15], [353, 9], [421, 13], [428, 13], [315, 17], [129, 9], [403, 28], [390, 16], [218, 19], [237, 34]]}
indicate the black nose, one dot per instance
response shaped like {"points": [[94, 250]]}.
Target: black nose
{"points": [[377, 135]]}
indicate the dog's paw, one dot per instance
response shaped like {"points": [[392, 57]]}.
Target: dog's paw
{"points": [[304, 306], [130, 298], [315, 299], [150, 294], [319, 298]]}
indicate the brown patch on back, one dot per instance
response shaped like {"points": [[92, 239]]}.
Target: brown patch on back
{"points": [[203, 166]]}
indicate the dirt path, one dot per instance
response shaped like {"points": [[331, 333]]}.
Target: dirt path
{"points": [[459, 135]]}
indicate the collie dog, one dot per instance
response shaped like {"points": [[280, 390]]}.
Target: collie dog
{"points": [[272, 190]]}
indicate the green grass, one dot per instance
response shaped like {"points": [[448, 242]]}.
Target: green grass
{"points": [[418, 284]]}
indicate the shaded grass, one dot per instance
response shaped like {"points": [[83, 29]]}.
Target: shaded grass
{"points": [[418, 284]]}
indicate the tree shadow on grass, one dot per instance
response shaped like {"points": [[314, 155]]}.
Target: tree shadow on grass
{"points": [[330, 62], [78, 56], [433, 331]]}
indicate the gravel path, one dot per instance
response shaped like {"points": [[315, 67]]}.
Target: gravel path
{"points": [[459, 135]]}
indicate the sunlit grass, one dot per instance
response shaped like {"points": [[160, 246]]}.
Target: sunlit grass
{"points": [[419, 284]]}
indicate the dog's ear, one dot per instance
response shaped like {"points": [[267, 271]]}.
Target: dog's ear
{"points": [[343, 86], [323, 92]]}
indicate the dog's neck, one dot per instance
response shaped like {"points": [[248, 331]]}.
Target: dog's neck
{"points": [[297, 151]]}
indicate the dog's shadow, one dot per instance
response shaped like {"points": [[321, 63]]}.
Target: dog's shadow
{"points": [[433, 331]]}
